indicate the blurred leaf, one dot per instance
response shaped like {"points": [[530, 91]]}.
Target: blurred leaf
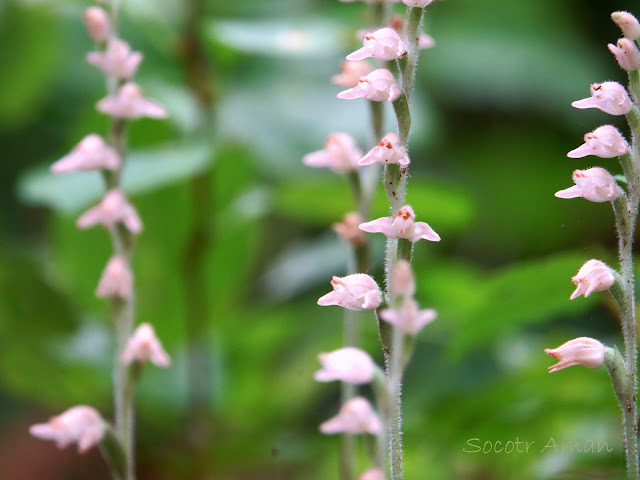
{"points": [[278, 38], [322, 203], [144, 171]]}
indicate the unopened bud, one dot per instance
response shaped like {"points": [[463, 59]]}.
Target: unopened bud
{"points": [[96, 21], [403, 283], [628, 24], [584, 351]]}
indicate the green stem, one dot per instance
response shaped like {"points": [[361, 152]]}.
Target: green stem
{"points": [[409, 64], [625, 222]]}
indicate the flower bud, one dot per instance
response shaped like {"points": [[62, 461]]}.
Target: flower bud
{"points": [[628, 24], [604, 142], [626, 54], [348, 229], [378, 86], [82, 425], [113, 209], [407, 318], [387, 151], [355, 416], [97, 24], [349, 364], [402, 225], [383, 44], [584, 351], [424, 41], [129, 103], [594, 184], [116, 280], [372, 474], [90, 154], [144, 346], [351, 73], [354, 292], [593, 276], [403, 283], [610, 97], [340, 154]]}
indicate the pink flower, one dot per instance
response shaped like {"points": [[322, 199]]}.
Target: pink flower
{"points": [[117, 60], [403, 283], [594, 184], [604, 142], [610, 97], [593, 276], [408, 318], [90, 154], [340, 154], [626, 54], [355, 416], [351, 73], [82, 425], [417, 3], [348, 229], [584, 351], [387, 151], [96, 21], [129, 103], [426, 41], [628, 24], [402, 225], [144, 346], [378, 86], [372, 474], [383, 44], [113, 209], [355, 292], [116, 280], [349, 364]]}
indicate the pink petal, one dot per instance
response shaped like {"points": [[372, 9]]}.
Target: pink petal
{"points": [[571, 192], [379, 225], [423, 230], [359, 54], [355, 92]]}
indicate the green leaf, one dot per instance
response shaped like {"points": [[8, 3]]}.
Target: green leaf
{"points": [[145, 170]]}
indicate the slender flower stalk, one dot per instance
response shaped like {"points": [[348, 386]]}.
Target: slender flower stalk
{"points": [[597, 185]]}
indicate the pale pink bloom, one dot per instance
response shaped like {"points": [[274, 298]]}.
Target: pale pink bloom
{"points": [[626, 54], [383, 44], [426, 41], [387, 151], [402, 225], [378, 86], [348, 229], [593, 276], [417, 3], [92, 153], [628, 24], [408, 318], [144, 346], [604, 142], [349, 364], [117, 60], [97, 23], [116, 280], [372, 474], [113, 209], [594, 184], [584, 351], [129, 103], [403, 283], [610, 97], [81, 424], [355, 292], [351, 73], [340, 154], [355, 416]]}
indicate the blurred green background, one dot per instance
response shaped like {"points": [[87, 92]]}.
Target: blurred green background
{"points": [[237, 246]]}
